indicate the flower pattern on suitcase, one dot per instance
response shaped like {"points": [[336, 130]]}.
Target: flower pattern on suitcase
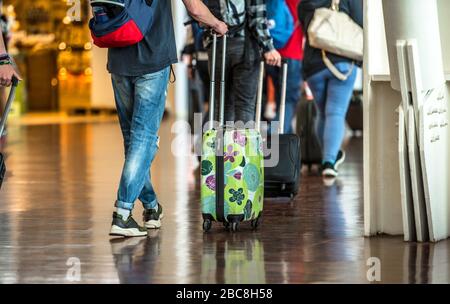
{"points": [[243, 174]]}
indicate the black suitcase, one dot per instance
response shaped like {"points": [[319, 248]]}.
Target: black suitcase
{"points": [[306, 120], [11, 97], [283, 180]]}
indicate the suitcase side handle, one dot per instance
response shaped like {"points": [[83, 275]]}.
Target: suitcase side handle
{"points": [[12, 95]]}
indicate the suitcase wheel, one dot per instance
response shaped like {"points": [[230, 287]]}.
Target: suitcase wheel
{"points": [[255, 223], [207, 225], [234, 226]]}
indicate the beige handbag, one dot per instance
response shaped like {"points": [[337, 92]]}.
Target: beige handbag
{"points": [[335, 32]]}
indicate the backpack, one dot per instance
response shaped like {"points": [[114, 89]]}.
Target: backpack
{"points": [[121, 23], [280, 22]]}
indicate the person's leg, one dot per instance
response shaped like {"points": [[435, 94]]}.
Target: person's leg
{"points": [[229, 105], [338, 99], [294, 85], [293, 92], [148, 196], [123, 93], [203, 72], [318, 85], [245, 87], [124, 90], [148, 109], [123, 223]]}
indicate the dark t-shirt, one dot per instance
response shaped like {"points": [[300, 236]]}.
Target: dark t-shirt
{"points": [[155, 52]]}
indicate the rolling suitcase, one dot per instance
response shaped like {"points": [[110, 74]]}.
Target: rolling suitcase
{"points": [[12, 93], [232, 166], [283, 180], [311, 150]]}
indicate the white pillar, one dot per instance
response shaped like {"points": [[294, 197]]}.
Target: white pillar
{"points": [[415, 19]]}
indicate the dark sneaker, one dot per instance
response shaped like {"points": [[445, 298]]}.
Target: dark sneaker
{"points": [[128, 228], [152, 218], [329, 170], [339, 159]]}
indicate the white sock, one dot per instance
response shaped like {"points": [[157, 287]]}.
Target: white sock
{"points": [[125, 213]]}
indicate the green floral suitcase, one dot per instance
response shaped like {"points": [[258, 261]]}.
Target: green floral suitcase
{"points": [[232, 166], [232, 188]]}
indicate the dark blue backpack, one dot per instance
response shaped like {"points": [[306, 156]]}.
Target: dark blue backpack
{"points": [[121, 23], [281, 22]]}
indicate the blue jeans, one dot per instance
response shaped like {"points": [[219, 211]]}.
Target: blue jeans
{"points": [[140, 103], [332, 97], [293, 90]]}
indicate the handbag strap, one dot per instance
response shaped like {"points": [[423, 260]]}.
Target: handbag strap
{"points": [[334, 70]]}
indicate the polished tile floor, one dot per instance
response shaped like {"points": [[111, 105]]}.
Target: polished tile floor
{"points": [[56, 204]]}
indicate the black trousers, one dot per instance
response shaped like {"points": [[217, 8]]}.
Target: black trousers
{"points": [[241, 82]]}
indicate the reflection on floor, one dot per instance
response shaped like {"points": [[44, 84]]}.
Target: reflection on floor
{"points": [[56, 204]]}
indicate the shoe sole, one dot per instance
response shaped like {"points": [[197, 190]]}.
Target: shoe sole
{"points": [[152, 224], [340, 161], [130, 232], [329, 173]]}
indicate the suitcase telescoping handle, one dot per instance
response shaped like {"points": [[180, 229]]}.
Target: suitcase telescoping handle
{"points": [[9, 102], [212, 87], [222, 81], [283, 96], [212, 96], [259, 96]]}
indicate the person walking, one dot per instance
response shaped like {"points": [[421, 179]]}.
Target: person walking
{"points": [[140, 75], [248, 38], [288, 37], [331, 95]]}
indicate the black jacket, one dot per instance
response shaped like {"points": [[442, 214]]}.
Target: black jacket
{"points": [[312, 61]]}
